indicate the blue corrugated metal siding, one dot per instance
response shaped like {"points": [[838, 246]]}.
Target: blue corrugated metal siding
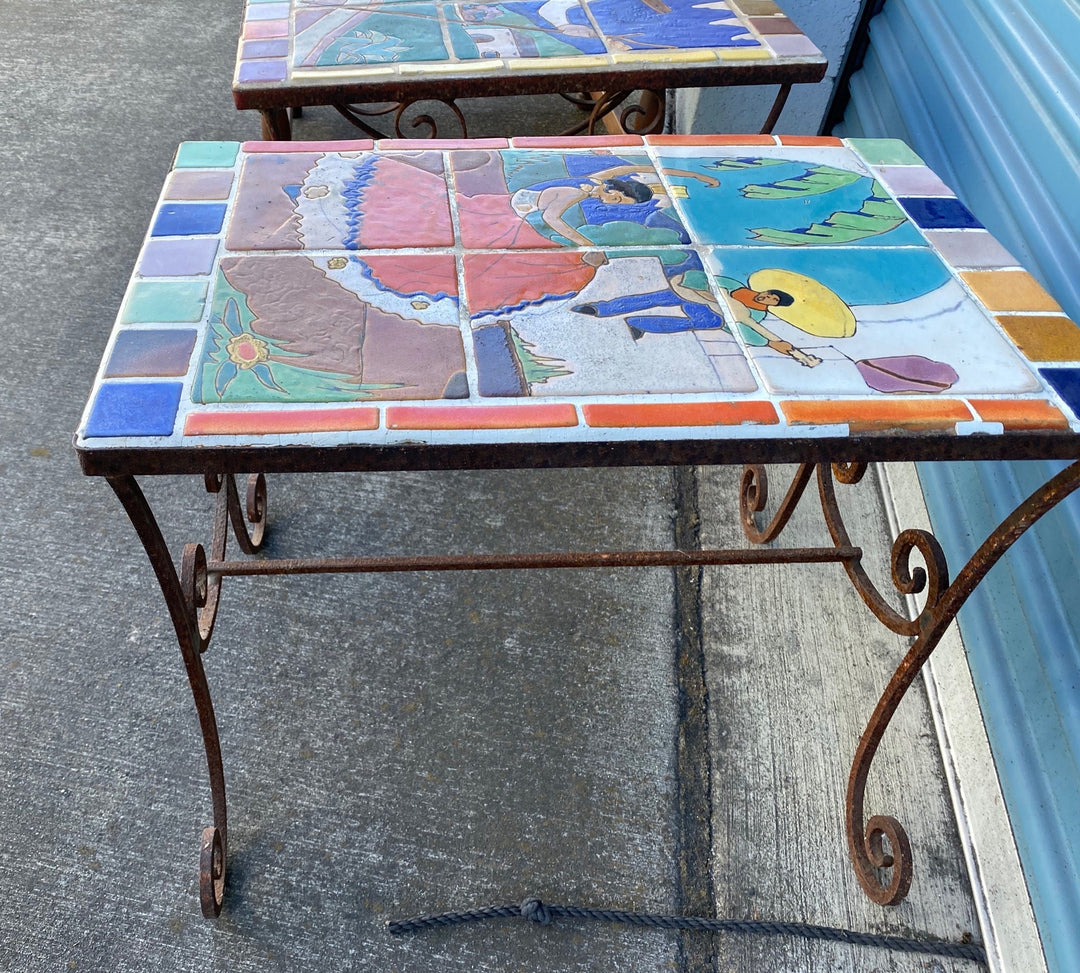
{"points": [[986, 92]]}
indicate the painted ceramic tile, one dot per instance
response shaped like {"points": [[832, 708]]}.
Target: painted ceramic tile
{"points": [[789, 200], [300, 329], [846, 322], [631, 25], [573, 323], [521, 28], [343, 34], [354, 200], [526, 199], [576, 290], [336, 35]]}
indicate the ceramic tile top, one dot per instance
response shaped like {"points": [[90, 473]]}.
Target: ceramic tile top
{"points": [[573, 290], [342, 39]]}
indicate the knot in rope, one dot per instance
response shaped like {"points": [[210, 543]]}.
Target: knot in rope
{"points": [[535, 911]]}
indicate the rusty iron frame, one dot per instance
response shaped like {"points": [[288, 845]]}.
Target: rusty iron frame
{"points": [[280, 101], [643, 116], [879, 847]]}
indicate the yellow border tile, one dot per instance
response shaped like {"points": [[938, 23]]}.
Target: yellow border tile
{"points": [[1009, 290], [1043, 337], [745, 54], [559, 63]]}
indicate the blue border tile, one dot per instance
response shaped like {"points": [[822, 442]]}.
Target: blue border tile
{"points": [[134, 409]]}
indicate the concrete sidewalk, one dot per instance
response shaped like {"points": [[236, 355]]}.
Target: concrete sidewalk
{"points": [[404, 743]]}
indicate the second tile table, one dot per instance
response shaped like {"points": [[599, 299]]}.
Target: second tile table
{"points": [[372, 58]]}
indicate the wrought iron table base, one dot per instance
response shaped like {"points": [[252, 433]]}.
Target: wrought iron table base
{"points": [[879, 847], [645, 116]]}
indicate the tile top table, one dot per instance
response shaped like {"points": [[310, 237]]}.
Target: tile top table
{"points": [[368, 299], [305, 307], [352, 52]]}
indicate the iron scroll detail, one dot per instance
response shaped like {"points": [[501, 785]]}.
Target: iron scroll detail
{"points": [[880, 844]]}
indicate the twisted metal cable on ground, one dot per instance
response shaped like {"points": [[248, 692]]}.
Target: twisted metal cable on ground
{"points": [[536, 911]]}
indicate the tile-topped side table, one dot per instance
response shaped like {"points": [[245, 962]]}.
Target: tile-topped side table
{"points": [[355, 306], [357, 53]]}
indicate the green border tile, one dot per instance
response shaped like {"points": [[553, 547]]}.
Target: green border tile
{"points": [[885, 152], [206, 155], [164, 301]]}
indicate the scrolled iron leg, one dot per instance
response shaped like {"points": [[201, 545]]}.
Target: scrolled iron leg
{"points": [[944, 600], [184, 614]]}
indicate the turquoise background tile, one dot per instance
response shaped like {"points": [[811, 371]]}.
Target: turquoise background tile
{"points": [[206, 154], [150, 301]]}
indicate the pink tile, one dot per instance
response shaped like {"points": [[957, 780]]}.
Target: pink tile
{"points": [[971, 249], [355, 145], [199, 185], [438, 145], [266, 28], [793, 45], [280, 422], [912, 181]]}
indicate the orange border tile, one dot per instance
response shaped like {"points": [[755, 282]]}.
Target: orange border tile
{"points": [[1020, 413], [466, 417], [279, 421], [629, 416], [809, 140], [710, 140], [871, 414], [570, 142]]}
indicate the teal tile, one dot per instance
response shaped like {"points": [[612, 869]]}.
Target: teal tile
{"points": [[885, 152], [164, 301], [206, 155]]}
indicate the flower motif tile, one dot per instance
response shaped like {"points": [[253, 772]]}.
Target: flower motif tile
{"points": [[329, 329], [574, 291]]}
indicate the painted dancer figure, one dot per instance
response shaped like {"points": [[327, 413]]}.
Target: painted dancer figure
{"points": [[624, 192], [697, 309]]}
